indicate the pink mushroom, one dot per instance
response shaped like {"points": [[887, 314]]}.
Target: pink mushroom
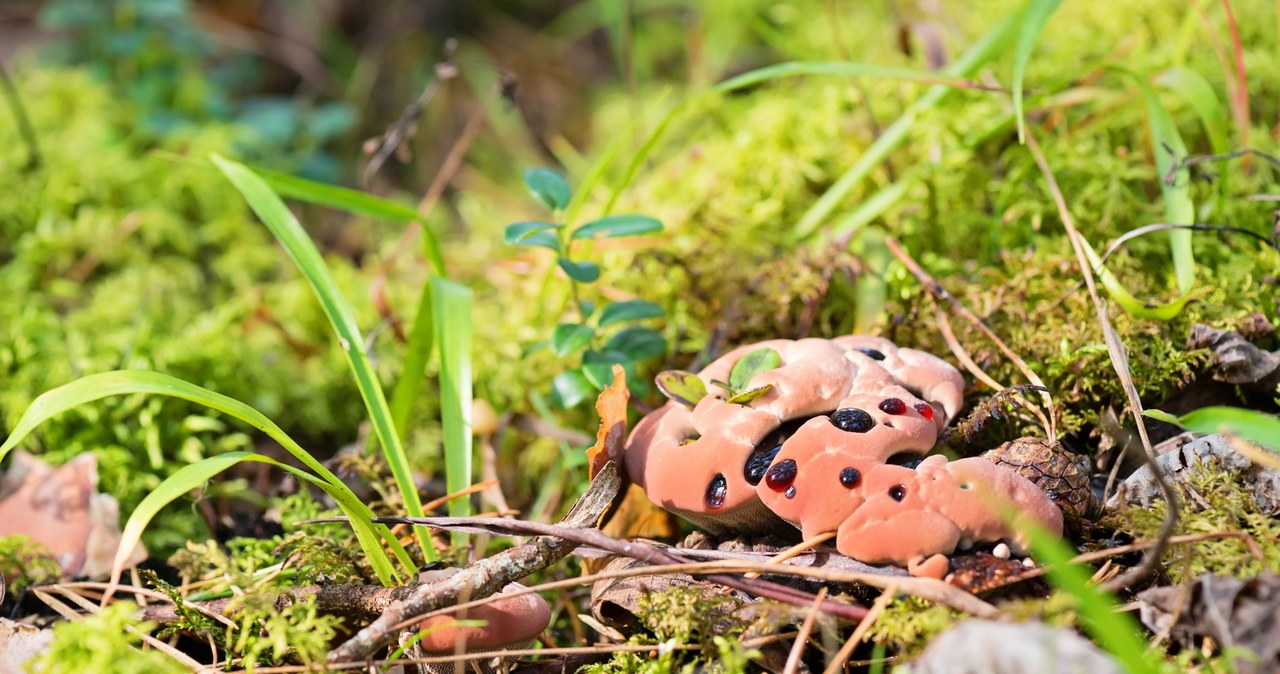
{"points": [[510, 622], [833, 446]]}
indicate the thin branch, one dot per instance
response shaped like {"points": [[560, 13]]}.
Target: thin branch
{"points": [[404, 127]]}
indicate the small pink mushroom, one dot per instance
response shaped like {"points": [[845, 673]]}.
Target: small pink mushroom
{"points": [[512, 621]]}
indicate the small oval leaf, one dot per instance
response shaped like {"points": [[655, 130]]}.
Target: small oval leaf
{"points": [[630, 310], [638, 343], [747, 396], [681, 386], [548, 186], [517, 232], [750, 365], [582, 272], [570, 388], [614, 226], [569, 337]]}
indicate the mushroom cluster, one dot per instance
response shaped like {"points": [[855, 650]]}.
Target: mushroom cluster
{"points": [[834, 437]]}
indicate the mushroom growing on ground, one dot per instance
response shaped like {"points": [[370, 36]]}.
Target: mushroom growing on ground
{"points": [[831, 439], [512, 623]]}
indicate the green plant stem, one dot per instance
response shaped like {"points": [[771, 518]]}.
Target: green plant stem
{"points": [[25, 129]]}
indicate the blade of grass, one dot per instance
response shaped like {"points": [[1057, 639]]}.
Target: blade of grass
{"points": [[1168, 148], [1033, 20], [352, 201], [1199, 94], [452, 304], [1257, 427], [421, 341], [952, 78], [288, 231], [1116, 632], [987, 47], [194, 475], [125, 382]]}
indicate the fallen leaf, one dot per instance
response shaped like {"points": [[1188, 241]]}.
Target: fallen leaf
{"points": [[1182, 456], [60, 507], [611, 405], [1235, 613]]}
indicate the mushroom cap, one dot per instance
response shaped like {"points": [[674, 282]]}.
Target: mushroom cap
{"points": [[680, 457], [507, 621]]}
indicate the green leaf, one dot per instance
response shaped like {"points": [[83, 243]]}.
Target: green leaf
{"points": [[288, 231], [1033, 20], [352, 201], [453, 333], [570, 388], [516, 232], [541, 240], [569, 337], [1196, 90], [744, 397], [126, 382], [582, 272], [629, 310], [614, 226], [1257, 427], [549, 187], [421, 343], [597, 366], [750, 365], [638, 343], [683, 387]]}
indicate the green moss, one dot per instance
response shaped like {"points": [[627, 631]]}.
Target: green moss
{"points": [[24, 562], [85, 645], [1220, 505], [680, 616], [907, 624]]}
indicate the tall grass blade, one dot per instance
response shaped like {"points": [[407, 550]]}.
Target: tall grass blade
{"points": [[352, 201], [1178, 210], [452, 304], [288, 231], [1033, 20], [988, 46], [125, 382]]}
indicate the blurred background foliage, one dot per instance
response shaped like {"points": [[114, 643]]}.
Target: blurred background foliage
{"points": [[119, 247]]}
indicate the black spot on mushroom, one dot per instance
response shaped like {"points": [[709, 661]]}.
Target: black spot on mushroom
{"points": [[898, 492], [765, 451], [716, 491], [850, 477], [872, 353], [906, 459], [853, 420]]}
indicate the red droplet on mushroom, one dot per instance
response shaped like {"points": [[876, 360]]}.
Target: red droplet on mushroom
{"points": [[850, 477], [781, 476], [925, 410], [893, 406], [790, 492], [853, 420], [716, 491], [898, 492]]}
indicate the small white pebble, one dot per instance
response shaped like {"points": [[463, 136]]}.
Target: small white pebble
{"points": [[966, 543], [1001, 550], [1029, 563]]}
